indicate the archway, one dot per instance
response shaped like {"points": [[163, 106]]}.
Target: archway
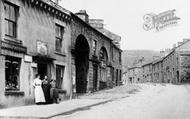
{"points": [[82, 63]]}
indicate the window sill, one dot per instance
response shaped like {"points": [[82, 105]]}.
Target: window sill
{"points": [[14, 93], [60, 53], [13, 40]]}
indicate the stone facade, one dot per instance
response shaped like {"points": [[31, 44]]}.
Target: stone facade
{"points": [[104, 72], [157, 71], [135, 74], [52, 41], [176, 64], [147, 72], [172, 68]]}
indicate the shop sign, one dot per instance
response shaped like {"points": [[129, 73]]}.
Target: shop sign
{"points": [[42, 48], [27, 58]]}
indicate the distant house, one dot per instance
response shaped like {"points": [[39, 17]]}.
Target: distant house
{"points": [[147, 72], [135, 74], [157, 71]]}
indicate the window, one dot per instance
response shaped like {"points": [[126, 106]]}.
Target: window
{"points": [[10, 20], [12, 70], [94, 45], [119, 58], [59, 37], [59, 76]]}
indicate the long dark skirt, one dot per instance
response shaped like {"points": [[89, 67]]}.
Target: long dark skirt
{"points": [[46, 90]]}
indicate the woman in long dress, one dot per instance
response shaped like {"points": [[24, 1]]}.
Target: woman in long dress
{"points": [[46, 89], [39, 95]]}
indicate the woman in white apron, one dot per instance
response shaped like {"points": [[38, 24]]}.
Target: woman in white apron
{"points": [[39, 95]]}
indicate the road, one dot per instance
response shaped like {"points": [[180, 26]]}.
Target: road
{"points": [[153, 101]]}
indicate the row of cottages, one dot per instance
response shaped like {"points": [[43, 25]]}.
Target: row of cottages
{"points": [[147, 72], [176, 65], [172, 68], [39, 36]]}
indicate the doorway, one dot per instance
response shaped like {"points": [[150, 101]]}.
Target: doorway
{"points": [[42, 70]]}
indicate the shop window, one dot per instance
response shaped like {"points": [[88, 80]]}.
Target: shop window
{"points": [[59, 37], [10, 19], [12, 71], [59, 76]]}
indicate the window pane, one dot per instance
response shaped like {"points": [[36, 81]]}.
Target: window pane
{"points": [[12, 14], [94, 45], [6, 8], [58, 31], [6, 27], [11, 29], [58, 44], [12, 70]]}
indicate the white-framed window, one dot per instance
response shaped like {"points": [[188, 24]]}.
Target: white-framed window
{"points": [[59, 30], [10, 23]]}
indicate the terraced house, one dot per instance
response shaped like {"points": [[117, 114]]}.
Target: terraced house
{"points": [[39, 36], [176, 64]]}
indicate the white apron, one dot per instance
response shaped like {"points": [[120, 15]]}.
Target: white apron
{"points": [[39, 94]]}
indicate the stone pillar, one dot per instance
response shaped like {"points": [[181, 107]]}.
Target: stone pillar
{"points": [[2, 82], [90, 77], [98, 82]]}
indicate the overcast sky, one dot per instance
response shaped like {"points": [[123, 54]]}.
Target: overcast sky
{"points": [[125, 18]]}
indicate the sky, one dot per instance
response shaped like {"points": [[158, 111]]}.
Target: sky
{"points": [[125, 18]]}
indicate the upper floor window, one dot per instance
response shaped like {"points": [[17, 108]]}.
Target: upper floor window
{"points": [[10, 20], [94, 45], [120, 58], [59, 37]]}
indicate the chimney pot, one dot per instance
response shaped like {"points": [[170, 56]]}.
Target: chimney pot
{"points": [[185, 40], [179, 43], [83, 15]]}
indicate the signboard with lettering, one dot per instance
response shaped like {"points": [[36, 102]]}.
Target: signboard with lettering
{"points": [[27, 58], [42, 48]]}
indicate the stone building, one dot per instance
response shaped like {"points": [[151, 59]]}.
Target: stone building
{"points": [[125, 78], [157, 71], [176, 64], [101, 56], [147, 72], [39, 36], [135, 74]]}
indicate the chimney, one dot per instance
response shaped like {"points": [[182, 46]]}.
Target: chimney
{"points": [[83, 15], [185, 40], [97, 23], [56, 1], [174, 46], [179, 43]]}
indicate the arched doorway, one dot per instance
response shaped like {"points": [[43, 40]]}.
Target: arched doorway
{"points": [[103, 68], [81, 63]]}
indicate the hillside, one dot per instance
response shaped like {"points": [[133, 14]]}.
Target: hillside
{"points": [[130, 57]]}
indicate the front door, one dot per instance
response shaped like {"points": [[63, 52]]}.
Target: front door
{"points": [[42, 69], [59, 76]]}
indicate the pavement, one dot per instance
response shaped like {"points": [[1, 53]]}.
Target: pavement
{"points": [[68, 107]]}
